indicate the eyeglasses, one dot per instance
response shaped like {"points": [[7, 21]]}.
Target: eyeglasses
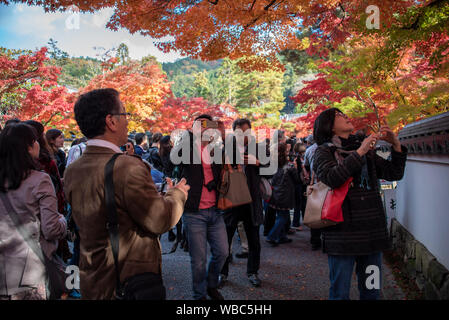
{"points": [[127, 114]]}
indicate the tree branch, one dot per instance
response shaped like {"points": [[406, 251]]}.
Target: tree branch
{"points": [[252, 22], [252, 5], [260, 16], [269, 5], [48, 121], [375, 110], [415, 24], [372, 103]]}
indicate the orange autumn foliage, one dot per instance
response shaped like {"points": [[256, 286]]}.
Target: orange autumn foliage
{"points": [[142, 88], [179, 113], [214, 29]]}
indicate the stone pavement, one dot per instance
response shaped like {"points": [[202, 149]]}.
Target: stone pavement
{"points": [[288, 272]]}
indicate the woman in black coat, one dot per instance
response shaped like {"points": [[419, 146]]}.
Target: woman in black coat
{"points": [[362, 236]]}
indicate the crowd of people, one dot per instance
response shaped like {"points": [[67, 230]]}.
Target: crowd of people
{"points": [[57, 211]]}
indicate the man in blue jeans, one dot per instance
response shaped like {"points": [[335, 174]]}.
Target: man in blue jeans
{"points": [[278, 233], [203, 221]]}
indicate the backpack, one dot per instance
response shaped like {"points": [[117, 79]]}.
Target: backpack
{"points": [[149, 155]]}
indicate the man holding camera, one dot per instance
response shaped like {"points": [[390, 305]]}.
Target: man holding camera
{"points": [[142, 213], [203, 221]]}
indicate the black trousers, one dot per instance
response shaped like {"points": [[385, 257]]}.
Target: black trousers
{"points": [[269, 220], [232, 218], [315, 237], [303, 200]]}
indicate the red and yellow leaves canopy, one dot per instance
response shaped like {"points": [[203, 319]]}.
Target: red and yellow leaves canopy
{"points": [[213, 29], [28, 89], [143, 89]]}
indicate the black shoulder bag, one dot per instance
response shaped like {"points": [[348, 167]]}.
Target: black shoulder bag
{"points": [[144, 286]]}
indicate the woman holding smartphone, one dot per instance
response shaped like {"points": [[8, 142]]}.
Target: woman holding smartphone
{"points": [[363, 235]]}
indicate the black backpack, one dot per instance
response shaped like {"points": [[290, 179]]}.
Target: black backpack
{"points": [[149, 156]]}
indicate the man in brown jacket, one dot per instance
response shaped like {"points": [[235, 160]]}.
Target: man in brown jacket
{"points": [[143, 214]]}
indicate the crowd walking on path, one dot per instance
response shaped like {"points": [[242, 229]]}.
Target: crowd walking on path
{"points": [[104, 206]]}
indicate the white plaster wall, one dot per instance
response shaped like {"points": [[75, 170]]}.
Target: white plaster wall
{"points": [[423, 203], [391, 213]]}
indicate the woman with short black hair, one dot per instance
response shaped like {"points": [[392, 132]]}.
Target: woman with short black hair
{"points": [[363, 235], [31, 196]]}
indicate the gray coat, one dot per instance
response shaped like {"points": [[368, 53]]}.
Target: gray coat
{"points": [[36, 204]]}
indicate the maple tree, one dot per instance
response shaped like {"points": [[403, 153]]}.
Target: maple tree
{"points": [[350, 81], [29, 90], [397, 71], [142, 87], [179, 113], [214, 29]]}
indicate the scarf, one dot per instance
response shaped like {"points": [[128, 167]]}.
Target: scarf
{"points": [[346, 147]]}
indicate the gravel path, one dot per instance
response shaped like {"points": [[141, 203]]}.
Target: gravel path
{"points": [[288, 272]]}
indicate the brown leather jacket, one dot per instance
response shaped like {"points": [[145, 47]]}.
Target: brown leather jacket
{"points": [[143, 214]]}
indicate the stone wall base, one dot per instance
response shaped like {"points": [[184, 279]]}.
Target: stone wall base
{"points": [[421, 266]]}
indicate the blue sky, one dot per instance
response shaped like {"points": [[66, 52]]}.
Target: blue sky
{"points": [[25, 27]]}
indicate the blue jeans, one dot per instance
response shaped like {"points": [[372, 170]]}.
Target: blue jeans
{"points": [[279, 232], [204, 226], [340, 273], [75, 260]]}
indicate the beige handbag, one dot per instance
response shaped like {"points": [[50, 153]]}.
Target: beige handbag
{"points": [[234, 189], [324, 204], [316, 195]]}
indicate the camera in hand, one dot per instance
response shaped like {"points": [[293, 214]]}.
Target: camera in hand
{"points": [[164, 185], [211, 185]]}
